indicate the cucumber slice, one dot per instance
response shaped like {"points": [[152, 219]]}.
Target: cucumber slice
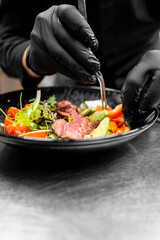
{"points": [[83, 106], [98, 115], [88, 111], [101, 130]]}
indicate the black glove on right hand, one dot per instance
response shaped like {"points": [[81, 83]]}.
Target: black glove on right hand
{"points": [[141, 91], [62, 41]]}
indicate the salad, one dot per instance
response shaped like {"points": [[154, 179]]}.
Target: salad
{"points": [[54, 119]]}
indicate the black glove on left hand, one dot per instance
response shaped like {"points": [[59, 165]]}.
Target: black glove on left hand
{"points": [[62, 41]]}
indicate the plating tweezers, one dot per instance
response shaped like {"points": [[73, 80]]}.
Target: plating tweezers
{"points": [[83, 11]]}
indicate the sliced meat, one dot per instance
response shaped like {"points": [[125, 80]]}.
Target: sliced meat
{"points": [[59, 126], [76, 129], [67, 109], [64, 103]]}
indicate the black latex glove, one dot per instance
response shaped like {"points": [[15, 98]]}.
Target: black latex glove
{"points": [[62, 41], [141, 91]]}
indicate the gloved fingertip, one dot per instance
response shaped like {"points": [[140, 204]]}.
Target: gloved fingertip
{"points": [[93, 79], [90, 79], [94, 44]]}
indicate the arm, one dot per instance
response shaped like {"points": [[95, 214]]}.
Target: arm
{"points": [[29, 72], [15, 27]]}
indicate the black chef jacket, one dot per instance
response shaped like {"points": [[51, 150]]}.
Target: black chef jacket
{"points": [[125, 29]]}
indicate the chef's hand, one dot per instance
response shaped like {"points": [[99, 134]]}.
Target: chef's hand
{"points": [[62, 41], [141, 91]]}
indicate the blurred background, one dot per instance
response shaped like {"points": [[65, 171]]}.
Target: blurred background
{"points": [[8, 84]]}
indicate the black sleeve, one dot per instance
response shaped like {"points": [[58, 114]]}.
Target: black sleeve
{"points": [[154, 8], [16, 22]]}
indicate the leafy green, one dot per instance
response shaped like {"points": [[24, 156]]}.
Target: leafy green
{"points": [[52, 136], [30, 111], [43, 127], [37, 100], [27, 116], [39, 114], [47, 114], [20, 117], [52, 100]]}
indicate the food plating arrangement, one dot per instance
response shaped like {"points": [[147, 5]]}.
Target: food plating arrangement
{"points": [[62, 120]]}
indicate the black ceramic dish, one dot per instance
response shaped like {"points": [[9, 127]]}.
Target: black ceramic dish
{"points": [[76, 95]]}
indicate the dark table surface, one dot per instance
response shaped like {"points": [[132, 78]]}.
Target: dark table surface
{"points": [[106, 195]]}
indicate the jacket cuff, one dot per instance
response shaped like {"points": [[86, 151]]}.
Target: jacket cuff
{"points": [[25, 79]]}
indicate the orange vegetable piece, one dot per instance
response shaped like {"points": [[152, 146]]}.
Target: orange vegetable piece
{"points": [[121, 129], [99, 108], [119, 119], [116, 112], [16, 129], [109, 108], [113, 127], [35, 134]]}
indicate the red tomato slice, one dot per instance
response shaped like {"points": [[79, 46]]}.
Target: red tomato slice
{"points": [[12, 111], [16, 129], [7, 121]]}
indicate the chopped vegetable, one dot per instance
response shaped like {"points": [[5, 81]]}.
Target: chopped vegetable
{"points": [[12, 112], [113, 127], [99, 108], [23, 118], [36, 134], [8, 121], [16, 129], [27, 105], [88, 111], [116, 112], [83, 106], [98, 115], [121, 129], [101, 130], [52, 100]]}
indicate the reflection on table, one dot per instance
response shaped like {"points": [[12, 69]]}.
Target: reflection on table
{"points": [[109, 195]]}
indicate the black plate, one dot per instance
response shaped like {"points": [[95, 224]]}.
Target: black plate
{"points": [[76, 95]]}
